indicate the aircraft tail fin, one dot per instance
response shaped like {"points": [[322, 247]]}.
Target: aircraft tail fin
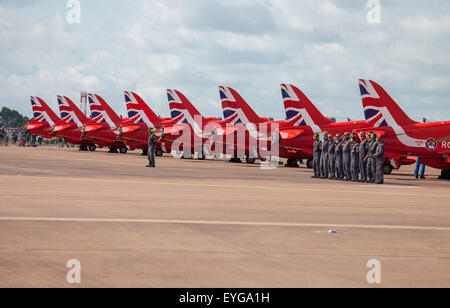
{"points": [[139, 111], [70, 113], [379, 108], [42, 112], [101, 112], [181, 109], [300, 111], [235, 108]]}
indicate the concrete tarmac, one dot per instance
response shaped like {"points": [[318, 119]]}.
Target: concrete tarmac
{"points": [[190, 223]]}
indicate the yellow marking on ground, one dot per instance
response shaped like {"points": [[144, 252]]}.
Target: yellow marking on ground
{"points": [[226, 223]]}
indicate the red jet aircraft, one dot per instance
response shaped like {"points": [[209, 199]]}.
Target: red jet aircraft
{"points": [[44, 119], [104, 126], [402, 136], [303, 121], [141, 118], [254, 132], [189, 120], [301, 112], [72, 124]]}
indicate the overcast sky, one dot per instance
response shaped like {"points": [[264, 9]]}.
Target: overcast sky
{"points": [[194, 46]]}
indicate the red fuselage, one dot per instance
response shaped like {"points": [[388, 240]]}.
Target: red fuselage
{"points": [[40, 128], [429, 141]]}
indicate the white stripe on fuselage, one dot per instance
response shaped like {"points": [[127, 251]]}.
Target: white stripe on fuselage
{"points": [[401, 135]]}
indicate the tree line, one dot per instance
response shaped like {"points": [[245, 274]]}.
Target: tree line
{"points": [[12, 118]]}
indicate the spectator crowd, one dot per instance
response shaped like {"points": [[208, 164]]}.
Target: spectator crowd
{"points": [[20, 137]]}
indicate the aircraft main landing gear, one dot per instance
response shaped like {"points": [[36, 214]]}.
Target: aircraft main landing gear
{"points": [[92, 147], [292, 163], [159, 152], [250, 160], [387, 169], [201, 156], [445, 175], [187, 155]]}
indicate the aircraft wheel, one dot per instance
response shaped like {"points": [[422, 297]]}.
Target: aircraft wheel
{"points": [[201, 156], [113, 150], [179, 154], [445, 175], [387, 169], [187, 155], [309, 163], [292, 163], [123, 150], [83, 148], [92, 147], [159, 152], [250, 160]]}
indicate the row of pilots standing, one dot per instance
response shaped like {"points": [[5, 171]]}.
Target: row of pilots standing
{"points": [[345, 159]]}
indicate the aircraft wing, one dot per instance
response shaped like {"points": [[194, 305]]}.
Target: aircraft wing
{"points": [[223, 131], [126, 129], [31, 126], [291, 133], [93, 128]]}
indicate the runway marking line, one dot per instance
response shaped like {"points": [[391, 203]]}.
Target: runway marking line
{"points": [[226, 223]]}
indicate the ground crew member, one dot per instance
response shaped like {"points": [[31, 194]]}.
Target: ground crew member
{"points": [[324, 158], [317, 150], [339, 158], [419, 167], [347, 156], [331, 157], [371, 164], [2, 135], [379, 160], [151, 148], [363, 149], [354, 166]]}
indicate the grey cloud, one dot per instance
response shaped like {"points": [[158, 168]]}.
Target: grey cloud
{"points": [[253, 46]]}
